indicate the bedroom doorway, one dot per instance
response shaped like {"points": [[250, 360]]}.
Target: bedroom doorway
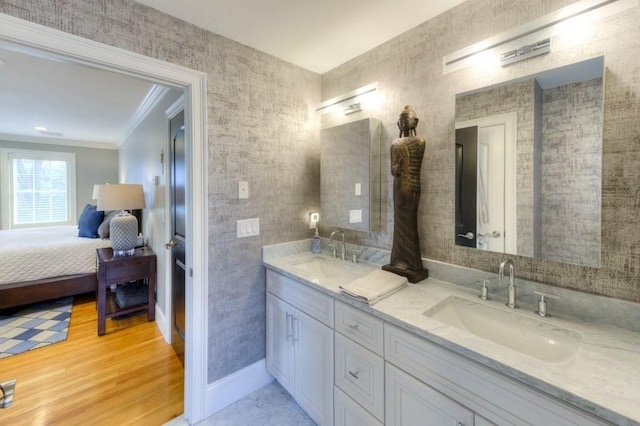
{"points": [[72, 48]]}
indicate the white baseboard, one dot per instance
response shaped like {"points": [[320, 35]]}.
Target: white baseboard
{"points": [[236, 386], [163, 324]]}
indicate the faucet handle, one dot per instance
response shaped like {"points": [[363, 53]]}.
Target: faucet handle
{"points": [[484, 291], [334, 252], [542, 303], [354, 255]]}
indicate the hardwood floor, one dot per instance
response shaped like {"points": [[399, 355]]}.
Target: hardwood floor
{"points": [[128, 376]]}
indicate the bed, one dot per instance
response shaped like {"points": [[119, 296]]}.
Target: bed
{"points": [[39, 264]]}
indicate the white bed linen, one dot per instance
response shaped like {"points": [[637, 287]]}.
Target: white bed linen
{"points": [[36, 253]]}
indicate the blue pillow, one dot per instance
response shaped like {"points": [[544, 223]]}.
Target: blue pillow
{"points": [[89, 221]]}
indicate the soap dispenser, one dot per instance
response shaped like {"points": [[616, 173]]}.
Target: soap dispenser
{"points": [[315, 246]]}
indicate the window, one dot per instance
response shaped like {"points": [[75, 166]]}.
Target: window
{"points": [[38, 188]]}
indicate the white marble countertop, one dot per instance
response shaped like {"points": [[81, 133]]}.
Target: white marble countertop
{"points": [[603, 378]]}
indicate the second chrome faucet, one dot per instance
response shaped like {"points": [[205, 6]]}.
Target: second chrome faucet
{"points": [[343, 256], [511, 302]]}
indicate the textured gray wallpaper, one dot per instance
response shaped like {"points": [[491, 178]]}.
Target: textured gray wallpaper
{"points": [[262, 129], [408, 70], [571, 170]]}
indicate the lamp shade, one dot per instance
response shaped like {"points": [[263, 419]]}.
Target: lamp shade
{"points": [[96, 189], [120, 197]]}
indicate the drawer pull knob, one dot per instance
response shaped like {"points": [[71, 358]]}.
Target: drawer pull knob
{"points": [[354, 327], [354, 375]]}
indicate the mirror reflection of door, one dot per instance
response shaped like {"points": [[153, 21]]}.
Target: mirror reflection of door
{"points": [[490, 194], [466, 178], [178, 232], [486, 183]]}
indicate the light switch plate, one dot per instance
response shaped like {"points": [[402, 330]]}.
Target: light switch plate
{"points": [[355, 216], [248, 227]]}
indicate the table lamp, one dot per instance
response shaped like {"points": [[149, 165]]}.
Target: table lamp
{"points": [[124, 226]]}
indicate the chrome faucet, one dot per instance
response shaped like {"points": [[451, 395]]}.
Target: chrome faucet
{"points": [[512, 282], [343, 256]]}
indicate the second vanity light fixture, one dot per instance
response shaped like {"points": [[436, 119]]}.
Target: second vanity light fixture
{"points": [[527, 51], [350, 109], [355, 95], [530, 38]]}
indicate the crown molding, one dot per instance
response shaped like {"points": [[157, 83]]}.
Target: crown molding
{"points": [[150, 101], [60, 141]]}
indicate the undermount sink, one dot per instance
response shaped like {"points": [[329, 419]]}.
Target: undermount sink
{"points": [[538, 339], [321, 270]]}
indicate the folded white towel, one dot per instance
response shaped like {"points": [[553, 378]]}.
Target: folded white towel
{"points": [[374, 286]]}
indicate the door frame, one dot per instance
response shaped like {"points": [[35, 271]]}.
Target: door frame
{"points": [[92, 53]]}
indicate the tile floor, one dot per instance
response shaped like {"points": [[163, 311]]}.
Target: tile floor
{"points": [[269, 406]]}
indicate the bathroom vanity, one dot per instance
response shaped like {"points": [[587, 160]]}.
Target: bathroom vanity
{"points": [[347, 363]]}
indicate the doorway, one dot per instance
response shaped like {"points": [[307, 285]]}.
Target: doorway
{"points": [[73, 48]]}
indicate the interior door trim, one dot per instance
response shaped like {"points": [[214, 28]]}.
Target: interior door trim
{"points": [[92, 53]]}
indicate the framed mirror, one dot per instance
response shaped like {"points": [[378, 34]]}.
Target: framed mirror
{"points": [[350, 175], [529, 165]]}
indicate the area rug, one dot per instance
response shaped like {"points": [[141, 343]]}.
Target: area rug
{"points": [[34, 326]]}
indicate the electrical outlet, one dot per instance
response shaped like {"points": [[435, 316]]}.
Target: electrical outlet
{"points": [[243, 190]]}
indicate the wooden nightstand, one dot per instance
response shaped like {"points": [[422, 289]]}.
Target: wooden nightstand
{"points": [[121, 269]]}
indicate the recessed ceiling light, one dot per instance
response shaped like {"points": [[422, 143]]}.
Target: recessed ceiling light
{"points": [[41, 128]]}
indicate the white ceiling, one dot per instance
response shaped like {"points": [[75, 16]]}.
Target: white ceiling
{"points": [[81, 105], [316, 35], [77, 104]]}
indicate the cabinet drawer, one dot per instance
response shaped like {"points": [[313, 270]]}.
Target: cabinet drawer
{"points": [[348, 413], [360, 373], [360, 327], [308, 300], [126, 270], [493, 396]]}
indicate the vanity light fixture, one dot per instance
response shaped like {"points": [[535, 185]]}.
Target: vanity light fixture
{"points": [[356, 94], [357, 107], [528, 51], [533, 32]]}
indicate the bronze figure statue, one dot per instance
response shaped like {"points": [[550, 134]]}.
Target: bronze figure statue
{"points": [[406, 160]]}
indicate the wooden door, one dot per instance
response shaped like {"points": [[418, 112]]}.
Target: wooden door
{"points": [[178, 233]]}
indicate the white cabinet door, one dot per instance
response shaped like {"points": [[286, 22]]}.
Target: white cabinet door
{"points": [[280, 349], [481, 421], [349, 413], [410, 402], [313, 367]]}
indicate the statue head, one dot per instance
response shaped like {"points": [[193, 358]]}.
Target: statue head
{"points": [[408, 121]]}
